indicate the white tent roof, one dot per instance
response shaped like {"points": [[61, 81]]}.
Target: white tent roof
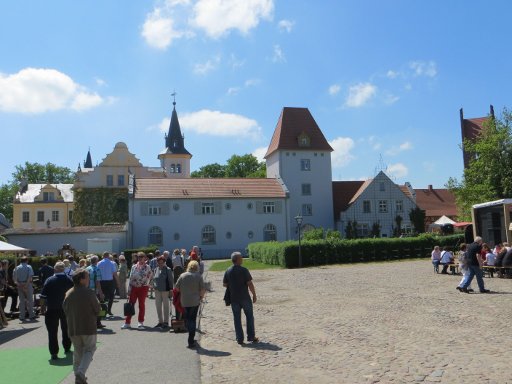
{"points": [[6, 247]]}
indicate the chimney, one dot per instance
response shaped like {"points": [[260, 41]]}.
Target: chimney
{"points": [[430, 187]]}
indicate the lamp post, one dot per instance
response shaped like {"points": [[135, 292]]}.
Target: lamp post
{"points": [[299, 219]]}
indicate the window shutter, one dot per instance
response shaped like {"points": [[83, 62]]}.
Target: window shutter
{"points": [[217, 206], [279, 206], [165, 208], [259, 207], [197, 208], [143, 209]]}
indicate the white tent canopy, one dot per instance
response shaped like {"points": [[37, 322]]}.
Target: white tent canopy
{"points": [[443, 220], [10, 248]]}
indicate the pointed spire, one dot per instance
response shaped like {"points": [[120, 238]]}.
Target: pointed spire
{"points": [[88, 159], [174, 140]]}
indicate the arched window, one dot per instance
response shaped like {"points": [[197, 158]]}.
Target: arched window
{"points": [[155, 236], [269, 233], [178, 168], [208, 235], [171, 168]]}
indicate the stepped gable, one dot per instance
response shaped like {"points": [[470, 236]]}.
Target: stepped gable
{"points": [[292, 123]]}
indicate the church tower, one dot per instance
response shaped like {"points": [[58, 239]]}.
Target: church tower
{"points": [[300, 155], [175, 159]]}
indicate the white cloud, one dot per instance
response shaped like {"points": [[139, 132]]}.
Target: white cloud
{"points": [[390, 99], [100, 82], [218, 17], [38, 90], [360, 94], [374, 143], [342, 147], [233, 90], [392, 74], [395, 150], [424, 68], [252, 82], [286, 25], [216, 123], [208, 66], [334, 89], [159, 29], [235, 62], [429, 166], [259, 153], [278, 56], [397, 170]]}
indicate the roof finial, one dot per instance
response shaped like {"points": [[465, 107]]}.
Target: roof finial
{"points": [[174, 98]]}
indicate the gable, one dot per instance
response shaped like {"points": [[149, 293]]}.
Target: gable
{"points": [[120, 157]]}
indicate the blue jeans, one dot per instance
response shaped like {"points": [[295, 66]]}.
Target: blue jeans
{"points": [[190, 322], [474, 270], [246, 305]]}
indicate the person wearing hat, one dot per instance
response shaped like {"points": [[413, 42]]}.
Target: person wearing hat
{"points": [[52, 297]]}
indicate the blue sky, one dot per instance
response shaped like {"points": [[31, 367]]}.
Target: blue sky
{"points": [[383, 79]]}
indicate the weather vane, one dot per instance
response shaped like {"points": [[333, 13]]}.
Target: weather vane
{"points": [[174, 97]]}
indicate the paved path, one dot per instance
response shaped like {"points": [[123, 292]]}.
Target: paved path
{"points": [[365, 323], [123, 356]]}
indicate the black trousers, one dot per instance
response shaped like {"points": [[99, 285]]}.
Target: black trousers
{"points": [[108, 287], [13, 294], [51, 320]]}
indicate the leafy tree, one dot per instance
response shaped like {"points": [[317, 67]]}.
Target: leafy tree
{"points": [[489, 174], [417, 217], [313, 234], [244, 166], [332, 234], [7, 193], [210, 171], [43, 173], [351, 230], [398, 229]]}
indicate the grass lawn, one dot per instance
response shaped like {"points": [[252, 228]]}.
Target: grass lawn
{"points": [[250, 264]]}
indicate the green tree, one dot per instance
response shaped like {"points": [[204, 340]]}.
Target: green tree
{"points": [[313, 234], [210, 171], [49, 173], [398, 229], [7, 193], [489, 174], [375, 229], [332, 234], [417, 217], [244, 166]]}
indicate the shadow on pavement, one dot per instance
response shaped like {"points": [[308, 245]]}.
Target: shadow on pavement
{"points": [[263, 346], [10, 334], [211, 352], [61, 362]]}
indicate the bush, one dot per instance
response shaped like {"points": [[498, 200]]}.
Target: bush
{"points": [[335, 251]]}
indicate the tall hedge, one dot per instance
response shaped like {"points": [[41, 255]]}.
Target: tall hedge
{"points": [[97, 206], [321, 252]]}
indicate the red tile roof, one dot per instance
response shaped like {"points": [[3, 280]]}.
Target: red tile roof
{"points": [[196, 188], [472, 127], [342, 194], [84, 229], [292, 123], [436, 202]]}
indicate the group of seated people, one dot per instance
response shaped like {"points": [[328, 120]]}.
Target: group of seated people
{"points": [[499, 256]]}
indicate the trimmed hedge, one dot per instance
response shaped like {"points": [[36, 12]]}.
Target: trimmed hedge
{"points": [[321, 252]]}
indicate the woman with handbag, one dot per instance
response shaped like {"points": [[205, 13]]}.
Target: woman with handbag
{"points": [[138, 287], [162, 283]]}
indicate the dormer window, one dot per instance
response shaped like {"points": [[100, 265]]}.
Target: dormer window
{"points": [[304, 140]]}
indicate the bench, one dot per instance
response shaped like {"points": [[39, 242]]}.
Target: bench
{"points": [[488, 270]]}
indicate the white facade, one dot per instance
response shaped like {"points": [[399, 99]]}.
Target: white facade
{"points": [[218, 226], [380, 200], [307, 175]]}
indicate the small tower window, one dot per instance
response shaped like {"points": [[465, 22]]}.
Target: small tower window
{"points": [[178, 168], [304, 140]]}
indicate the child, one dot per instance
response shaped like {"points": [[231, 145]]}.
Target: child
{"points": [[463, 265]]}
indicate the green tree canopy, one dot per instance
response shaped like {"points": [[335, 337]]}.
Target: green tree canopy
{"points": [[237, 166], [489, 174], [49, 173]]}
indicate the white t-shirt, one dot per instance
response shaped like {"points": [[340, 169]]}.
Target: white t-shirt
{"points": [[446, 257], [490, 258]]}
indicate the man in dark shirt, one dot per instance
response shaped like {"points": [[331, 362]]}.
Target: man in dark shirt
{"points": [[45, 271], [52, 295], [8, 286], [239, 281], [474, 262]]}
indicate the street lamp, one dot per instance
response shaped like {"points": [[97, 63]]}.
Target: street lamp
{"points": [[299, 219]]}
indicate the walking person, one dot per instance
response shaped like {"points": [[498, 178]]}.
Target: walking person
{"points": [[474, 260], [138, 287], [108, 279], [22, 276], [163, 284], [190, 286], [238, 280], [81, 308], [52, 297], [45, 271], [7, 286], [94, 284]]}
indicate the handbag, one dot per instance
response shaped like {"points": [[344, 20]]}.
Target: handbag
{"points": [[129, 309]]}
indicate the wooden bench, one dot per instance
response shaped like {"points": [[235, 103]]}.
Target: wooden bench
{"points": [[489, 270]]}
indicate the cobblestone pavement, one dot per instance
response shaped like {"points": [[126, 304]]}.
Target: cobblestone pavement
{"points": [[367, 323]]}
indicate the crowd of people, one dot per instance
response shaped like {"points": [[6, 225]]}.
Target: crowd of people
{"points": [[74, 294], [471, 258]]}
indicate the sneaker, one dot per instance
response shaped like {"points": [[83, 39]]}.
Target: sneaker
{"points": [[254, 341], [126, 326], [140, 325], [55, 357], [100, 326], [159, 325], [485, 291], [192, 345]]}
